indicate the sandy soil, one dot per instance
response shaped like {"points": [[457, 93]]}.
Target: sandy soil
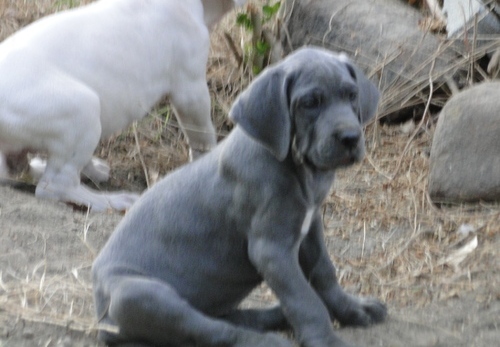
{"points": [[46, 250]]}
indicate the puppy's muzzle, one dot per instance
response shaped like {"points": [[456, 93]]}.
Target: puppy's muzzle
{"points": [[349, 138]]}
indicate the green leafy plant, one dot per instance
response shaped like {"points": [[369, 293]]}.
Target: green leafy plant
{"points": [[270, 11], [258, 21]]}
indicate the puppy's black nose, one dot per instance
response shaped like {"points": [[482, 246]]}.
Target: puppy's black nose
{"points": [[349, 138]]}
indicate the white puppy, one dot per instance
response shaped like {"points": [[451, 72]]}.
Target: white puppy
{"points": [[75, 77]]}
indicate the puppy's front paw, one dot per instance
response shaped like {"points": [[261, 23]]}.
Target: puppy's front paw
{"points": [[375, 309], [363, 312]]}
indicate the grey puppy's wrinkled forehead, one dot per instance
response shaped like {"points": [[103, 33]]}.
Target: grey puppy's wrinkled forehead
{"points": [[312, 65], [309, 53], [312, 58]]}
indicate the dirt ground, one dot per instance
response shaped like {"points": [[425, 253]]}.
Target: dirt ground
{"points": [[384, 235], [46, 251]]}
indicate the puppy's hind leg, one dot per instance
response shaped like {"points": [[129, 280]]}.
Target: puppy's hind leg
{"points": [[150, 310]]}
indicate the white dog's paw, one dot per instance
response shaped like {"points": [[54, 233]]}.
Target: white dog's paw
{"points": [[4, 170], [100, 202], [85, 197], [120, 201], [97, 170], [37, 167]]}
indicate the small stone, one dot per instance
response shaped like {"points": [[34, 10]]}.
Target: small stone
{"points": [[28, 334]]}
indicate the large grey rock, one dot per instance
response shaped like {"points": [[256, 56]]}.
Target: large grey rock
{"points": [[463, 16], [383, 37], [474, 27], [465, 154]]}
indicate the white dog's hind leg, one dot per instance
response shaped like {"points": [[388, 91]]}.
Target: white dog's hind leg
{"points": [[70, 150], [84, 196], [97, 170], [193, 113], [61, 181], [37, 167], [4, 170]]}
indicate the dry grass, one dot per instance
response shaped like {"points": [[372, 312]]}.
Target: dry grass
{"points": [[388, 239], [60, 300], [382, 201]]}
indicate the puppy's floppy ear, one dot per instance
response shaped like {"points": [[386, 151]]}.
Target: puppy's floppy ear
{"points": [[263, 111], [368, 93]]}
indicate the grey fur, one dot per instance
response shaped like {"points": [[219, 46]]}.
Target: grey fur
{"points": [[195, 245]]}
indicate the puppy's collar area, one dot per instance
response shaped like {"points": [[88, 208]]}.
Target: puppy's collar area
{"points": [[298, 158]]}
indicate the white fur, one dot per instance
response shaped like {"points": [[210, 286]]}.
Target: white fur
{"points": [[77, 76], [4, 173], [306, 224]]}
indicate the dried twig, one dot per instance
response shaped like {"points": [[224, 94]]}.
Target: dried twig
{"points": [[422, 121], [138, 147]]}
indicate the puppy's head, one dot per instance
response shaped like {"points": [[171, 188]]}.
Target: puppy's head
{"points": [[312, 105]]}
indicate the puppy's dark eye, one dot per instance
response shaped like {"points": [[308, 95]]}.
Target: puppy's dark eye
{"points": [[311, 101], [352, 96]]}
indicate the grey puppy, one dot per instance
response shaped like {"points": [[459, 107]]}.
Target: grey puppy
{"points": [[195, 245]]}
